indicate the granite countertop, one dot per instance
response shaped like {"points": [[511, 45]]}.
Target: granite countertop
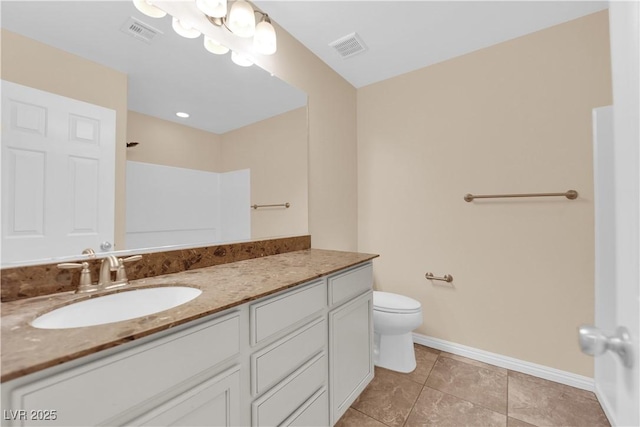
{"points": [[26, 349]]}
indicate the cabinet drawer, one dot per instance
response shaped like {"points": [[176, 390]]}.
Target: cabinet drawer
{"points": [[92, 394], [275, 315], [351, 283], [273, 363], [215, 402], [314, 412], [281, 401]]}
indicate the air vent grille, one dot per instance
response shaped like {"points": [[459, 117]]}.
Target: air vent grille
{"points": [[139, 30], [349, 45]]}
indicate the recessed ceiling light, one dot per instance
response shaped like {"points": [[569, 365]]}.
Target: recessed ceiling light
{"points": [[182, 115]]}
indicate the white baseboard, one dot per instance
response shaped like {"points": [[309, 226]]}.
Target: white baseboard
{"points": [[551, 374]]}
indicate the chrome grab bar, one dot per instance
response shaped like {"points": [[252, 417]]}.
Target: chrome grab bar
{"points": [[571, 195], [446, 278], [280, 205]]}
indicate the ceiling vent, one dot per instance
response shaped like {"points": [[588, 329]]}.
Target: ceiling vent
{"points": [[348, 45], [139, 30]]}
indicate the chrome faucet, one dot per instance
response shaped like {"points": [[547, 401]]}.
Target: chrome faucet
{"points": [[121, 272], [85, 276], [109, 264]]}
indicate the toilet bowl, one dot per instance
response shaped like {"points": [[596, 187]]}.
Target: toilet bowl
{"points": [[394, 317]]}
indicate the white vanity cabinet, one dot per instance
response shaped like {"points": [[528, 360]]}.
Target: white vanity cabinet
{"points": [[297, 358], [113, 389]]}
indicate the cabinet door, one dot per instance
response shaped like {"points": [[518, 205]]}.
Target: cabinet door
{"points": [[350, 352], [130, 379], [215, 402]]}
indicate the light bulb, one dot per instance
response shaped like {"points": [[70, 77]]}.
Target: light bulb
{"points": [[240, 59], [184, 28], [182, 115], [213, 46], [264, 40], [144, 6], [213, 8], [241, 20]]}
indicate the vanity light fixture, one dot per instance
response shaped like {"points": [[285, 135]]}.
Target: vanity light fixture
{"points": [[145, 7], [239, 19], [184, 28], [214, 47], [242, 19], [264, 39], [182, 115], [214, 8], [240, 59]]}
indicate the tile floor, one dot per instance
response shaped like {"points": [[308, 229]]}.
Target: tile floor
{"points": [[449, 390]]}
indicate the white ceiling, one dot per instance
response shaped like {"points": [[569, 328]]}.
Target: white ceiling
{"points": [[403, 36], [168, 75]]}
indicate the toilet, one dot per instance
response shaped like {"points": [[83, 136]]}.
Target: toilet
{"points": [[394, 317]]}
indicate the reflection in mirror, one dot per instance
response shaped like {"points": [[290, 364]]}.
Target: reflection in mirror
{"points": [[78, 76]]}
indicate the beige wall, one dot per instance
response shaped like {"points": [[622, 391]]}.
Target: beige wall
{"points": [[333, 199], [511, 118], [30, 63], [171, 144], [275, 150]]}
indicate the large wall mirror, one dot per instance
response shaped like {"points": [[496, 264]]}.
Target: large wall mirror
{"points": [[76, 75]]}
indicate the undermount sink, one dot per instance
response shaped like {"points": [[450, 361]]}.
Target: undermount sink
{"points": [[116, 307]]}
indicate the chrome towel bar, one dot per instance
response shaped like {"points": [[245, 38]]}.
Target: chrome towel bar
{"points": [[445, 278], [571, 195], [280, 205]]}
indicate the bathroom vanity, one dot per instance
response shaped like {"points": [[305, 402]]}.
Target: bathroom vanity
{"points": [[279, 340]]}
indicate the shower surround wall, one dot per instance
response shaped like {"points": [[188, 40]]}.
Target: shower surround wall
{"points": [[274, 149], [510, 118]]}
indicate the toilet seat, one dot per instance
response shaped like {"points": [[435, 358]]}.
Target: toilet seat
{"points": [[393, 303]]}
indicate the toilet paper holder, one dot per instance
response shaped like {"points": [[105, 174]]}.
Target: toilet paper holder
{"points": [[446, 278]]}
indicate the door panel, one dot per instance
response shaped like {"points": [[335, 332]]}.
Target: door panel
{"points": [[58, 174], [84, 187], [624, 23], [25, 175]]}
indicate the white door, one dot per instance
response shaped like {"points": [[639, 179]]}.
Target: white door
{"points": [[58, 174], [607, 365], [617, 161]]}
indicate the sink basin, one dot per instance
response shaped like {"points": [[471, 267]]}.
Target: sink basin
{"points": [[116, 307]]}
